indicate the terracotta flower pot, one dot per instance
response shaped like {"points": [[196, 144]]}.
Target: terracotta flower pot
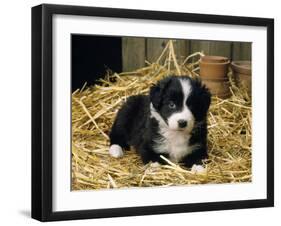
{"points": [[213, 72], [218, 88], [214, 67], [242, 71]]}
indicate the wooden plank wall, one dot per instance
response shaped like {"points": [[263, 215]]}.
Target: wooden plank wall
{"points": [[136, 50]]}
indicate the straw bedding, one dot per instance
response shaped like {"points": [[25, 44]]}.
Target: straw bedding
{"points": [[93, 112]]}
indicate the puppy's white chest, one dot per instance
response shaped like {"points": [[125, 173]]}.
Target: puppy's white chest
{"points": [[174, 143]]}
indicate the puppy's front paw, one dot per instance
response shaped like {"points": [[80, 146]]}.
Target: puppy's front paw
{"points": [[198, 169], [116, 151], [155, 164]]}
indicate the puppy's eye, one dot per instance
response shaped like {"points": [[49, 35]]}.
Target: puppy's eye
{"points": [[172, 105]]}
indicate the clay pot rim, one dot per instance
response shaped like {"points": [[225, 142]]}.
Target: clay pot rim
{"points": [[215, 64], [242, 66], [213, 59]]}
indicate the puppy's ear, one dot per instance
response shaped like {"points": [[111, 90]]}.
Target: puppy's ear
{"points": [[155, 97], [200, 99], [156, 92], [205, 98]]}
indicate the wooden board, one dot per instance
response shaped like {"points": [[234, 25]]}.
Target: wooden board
{"points": [[154, 48], [133, 53], [181, 49], [242, 51], [216, 48]]}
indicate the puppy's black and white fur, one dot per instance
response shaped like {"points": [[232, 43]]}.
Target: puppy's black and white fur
{"points": [[170, 121]]}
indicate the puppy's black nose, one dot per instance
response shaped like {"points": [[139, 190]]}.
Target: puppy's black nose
{"points": [[182, 123]]}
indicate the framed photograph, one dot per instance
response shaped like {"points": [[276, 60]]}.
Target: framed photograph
{"points": [[146, 112]]}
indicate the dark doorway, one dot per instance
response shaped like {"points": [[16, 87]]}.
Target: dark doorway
{"points": [[91, 56]]}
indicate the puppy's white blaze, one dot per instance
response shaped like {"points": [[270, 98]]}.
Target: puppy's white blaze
{"points": [[185, 114], [186, 87], [116, 151], [198, 169]]}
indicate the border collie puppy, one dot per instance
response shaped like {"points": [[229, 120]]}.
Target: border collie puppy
{"points": [[170, 121]]}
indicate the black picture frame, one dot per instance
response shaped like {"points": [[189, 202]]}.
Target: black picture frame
{"points": [[42, 111]]}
